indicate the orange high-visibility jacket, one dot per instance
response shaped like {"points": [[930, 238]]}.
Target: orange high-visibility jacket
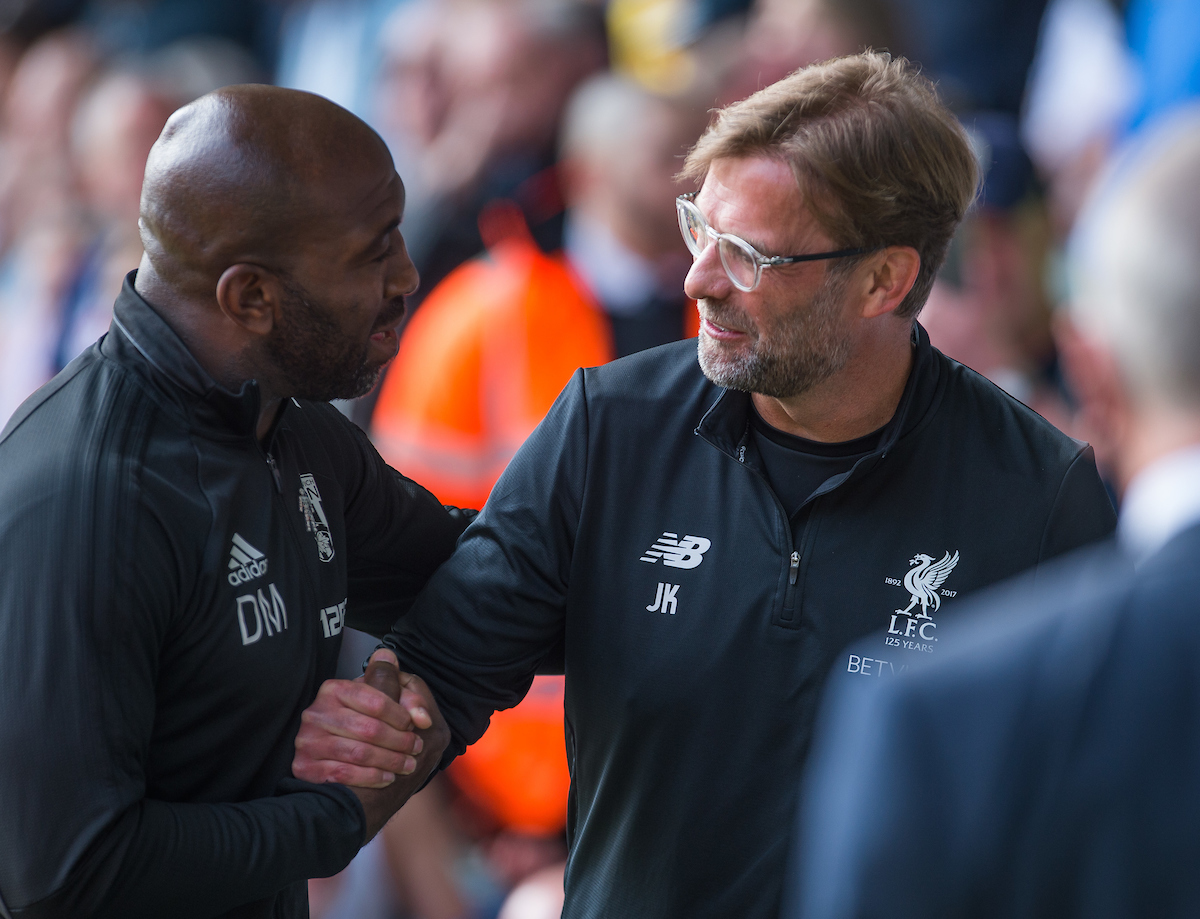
{"points": [[480, 365]]}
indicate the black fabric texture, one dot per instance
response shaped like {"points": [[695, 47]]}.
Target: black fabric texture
{"points": [[796, 467], [170, 605], [697, 632], [1044, 767]]}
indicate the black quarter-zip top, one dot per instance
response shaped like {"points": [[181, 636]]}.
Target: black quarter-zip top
{"points": [[173, 594], [635, 529]]}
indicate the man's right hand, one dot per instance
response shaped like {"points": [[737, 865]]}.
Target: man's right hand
{"points": [[384, 748]]}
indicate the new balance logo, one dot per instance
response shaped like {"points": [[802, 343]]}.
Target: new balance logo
{"points": [[677, 553], [245, 562]]}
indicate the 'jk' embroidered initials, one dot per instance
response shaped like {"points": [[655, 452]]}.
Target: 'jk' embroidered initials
{"points": [[665, 600]]}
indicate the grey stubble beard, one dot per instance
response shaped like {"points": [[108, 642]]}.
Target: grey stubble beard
{"points": [[794, 353]]}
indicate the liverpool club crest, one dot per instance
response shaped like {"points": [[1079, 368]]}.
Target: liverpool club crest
{"points": [[924, 579]]}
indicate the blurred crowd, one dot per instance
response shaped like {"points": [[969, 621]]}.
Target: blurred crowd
{"points": [[539, 141]]}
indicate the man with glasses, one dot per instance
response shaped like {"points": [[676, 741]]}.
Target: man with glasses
{"points": [[701, 542]]}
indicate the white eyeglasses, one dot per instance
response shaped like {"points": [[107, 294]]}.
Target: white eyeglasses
{"points": [[742, 262]]}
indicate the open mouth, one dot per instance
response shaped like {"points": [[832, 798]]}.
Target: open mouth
{"points": [[390, 318], [718, 331]]}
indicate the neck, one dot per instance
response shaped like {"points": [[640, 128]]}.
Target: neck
{"points": [[210, 338], [859, 399]]}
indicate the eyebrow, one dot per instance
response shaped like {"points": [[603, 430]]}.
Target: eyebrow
{"points": [[759, 247]]}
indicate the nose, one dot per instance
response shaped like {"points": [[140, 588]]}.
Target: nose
{"points": [[402, 278], [706, 279]]}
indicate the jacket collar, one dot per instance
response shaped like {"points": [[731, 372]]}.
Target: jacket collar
{"points": [[726, 425], [140, 337]]}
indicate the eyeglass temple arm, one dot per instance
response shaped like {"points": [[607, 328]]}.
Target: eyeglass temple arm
{"points": [[818, 256]]}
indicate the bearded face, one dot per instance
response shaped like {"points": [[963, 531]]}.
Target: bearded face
{"points": [[318, 358], [790, 350]]}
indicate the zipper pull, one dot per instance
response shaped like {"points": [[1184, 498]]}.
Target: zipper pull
{"points": [[742, 454], [275, 473], [794, 570]]}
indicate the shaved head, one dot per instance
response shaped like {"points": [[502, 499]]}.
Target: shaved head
{"points": [[247, 174], [270, 220]]}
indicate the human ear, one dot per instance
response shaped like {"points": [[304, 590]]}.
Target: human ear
{"points": [[891, 278], [251, 296]]}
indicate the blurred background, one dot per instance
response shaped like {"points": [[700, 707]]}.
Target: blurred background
{"points": [[538, 141]]}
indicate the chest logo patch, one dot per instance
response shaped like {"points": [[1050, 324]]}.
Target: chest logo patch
{"points": [[924, 581], [677, 553], [314, 517], [246, 563], [910, 628]]}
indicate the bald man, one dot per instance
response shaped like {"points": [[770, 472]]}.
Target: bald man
{"points": [[186, 526]]}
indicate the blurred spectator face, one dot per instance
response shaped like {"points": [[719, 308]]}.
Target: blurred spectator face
{"points": [[622, 149], [501, 57], [44, 88], [786, 34], [113, 131], [414, 95], [641, 179], [472, 81]]}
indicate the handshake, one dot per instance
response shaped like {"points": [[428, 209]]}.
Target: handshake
{"points": [[381, 735]]}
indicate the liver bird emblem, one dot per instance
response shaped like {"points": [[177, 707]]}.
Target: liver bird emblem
{"points": [[923, 581]]}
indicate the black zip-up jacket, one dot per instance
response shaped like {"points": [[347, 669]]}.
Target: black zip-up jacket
{"points": [[634, 531], [172, 596]]}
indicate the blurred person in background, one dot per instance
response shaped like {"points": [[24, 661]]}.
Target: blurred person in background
{"points": [[475, 96], [42, 223], [335, 48], [1046, 766], [701, 539], [66, 263], [782, 35], [990, 309], [491, 348], [116, 124]]}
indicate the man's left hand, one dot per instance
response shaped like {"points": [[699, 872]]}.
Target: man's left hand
{"points": [[355, 734]]}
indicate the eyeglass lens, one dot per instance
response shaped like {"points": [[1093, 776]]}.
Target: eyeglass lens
{"points": [[738, 263]]}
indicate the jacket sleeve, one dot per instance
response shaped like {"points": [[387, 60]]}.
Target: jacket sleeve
{"points": [[492, 614], [1082, 512], [397, 534], [90, 588]]}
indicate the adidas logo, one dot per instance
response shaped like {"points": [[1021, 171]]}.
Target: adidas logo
{"points": [[245, 562], [677, 553]]}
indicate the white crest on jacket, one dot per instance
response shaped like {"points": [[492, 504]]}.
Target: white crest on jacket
{"points": [[924, 579]]}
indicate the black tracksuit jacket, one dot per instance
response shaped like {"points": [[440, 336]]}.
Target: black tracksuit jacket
{"points": [[172, 595], [635, 534]]}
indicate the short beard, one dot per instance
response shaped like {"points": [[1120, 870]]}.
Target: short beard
{"points": [[311, 354], [788, 354]]}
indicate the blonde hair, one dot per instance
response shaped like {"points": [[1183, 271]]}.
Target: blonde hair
{"points": [[880, 160]]}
